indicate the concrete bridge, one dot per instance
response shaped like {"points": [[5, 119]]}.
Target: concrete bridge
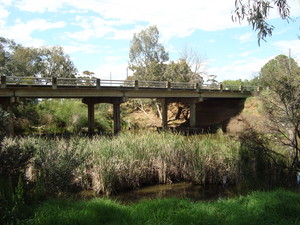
{"points": [[210, 104]]}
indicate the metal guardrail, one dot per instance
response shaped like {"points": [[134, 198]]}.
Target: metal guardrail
{"points": [[99, 83]]}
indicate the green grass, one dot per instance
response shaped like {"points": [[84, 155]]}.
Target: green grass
{"points": [[276, 207]]}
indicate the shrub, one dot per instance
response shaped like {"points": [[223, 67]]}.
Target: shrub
{"points": [[57, 163]]}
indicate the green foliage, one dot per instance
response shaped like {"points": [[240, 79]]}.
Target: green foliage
{"points": [[148, 60], [128, 161], [282, 102], [257, 14], [11, 202], [260, 165], [277, 207], [15, 155], [57, 162], [253, 82], [145, 49], [3, 122], [56, 116], [16, 60], [178, 72]]}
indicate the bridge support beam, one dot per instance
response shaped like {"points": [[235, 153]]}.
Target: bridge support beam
{"points": [[7, 104], [164, 112], [91, 117], [117, 119], [193, 115]]}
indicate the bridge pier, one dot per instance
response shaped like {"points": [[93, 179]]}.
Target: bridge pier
{"points": [[193, 115], [7, 104], [117, 117], [164, 112], [116, 101], [91, 117]]}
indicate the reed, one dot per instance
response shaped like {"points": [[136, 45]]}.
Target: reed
{"points": [[131, 160]]}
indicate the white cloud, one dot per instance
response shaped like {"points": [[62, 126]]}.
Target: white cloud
{"points": [[112, 71], [240, 69], [83, 48], [284, 46], [174, 18], [3, 15], [39, 6], [21, 32], [247, 37]]}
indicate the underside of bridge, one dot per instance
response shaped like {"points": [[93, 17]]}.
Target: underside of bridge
{"points": [[215, 112], [206, 114]]}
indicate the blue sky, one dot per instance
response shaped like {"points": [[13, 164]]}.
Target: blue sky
{"points": [[97, 33]]}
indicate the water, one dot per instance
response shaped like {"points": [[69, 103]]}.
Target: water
{"points": [[179, 190]]}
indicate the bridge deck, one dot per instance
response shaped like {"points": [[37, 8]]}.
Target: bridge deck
{"points": [[84, 87]]}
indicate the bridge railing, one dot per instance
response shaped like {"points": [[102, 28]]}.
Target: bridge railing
{"points": [[182, 85], [152, 84], [75, 82], [115, 83], [27, 80], [211, 86], [99, 83]]}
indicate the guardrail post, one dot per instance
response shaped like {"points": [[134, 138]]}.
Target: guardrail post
{"points": [[54, 82], [197, 86], [221, 87], [169, 85], [3, 81], [98, 83], [241, 88], [136, 84]]}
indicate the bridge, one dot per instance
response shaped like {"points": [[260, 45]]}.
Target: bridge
{"points": [[209, 103]]}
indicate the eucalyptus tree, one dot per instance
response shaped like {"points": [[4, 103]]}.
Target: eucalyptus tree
{"points": [[147, 57], [17, 60], [55, 63], [282, 102], [257, 12]]}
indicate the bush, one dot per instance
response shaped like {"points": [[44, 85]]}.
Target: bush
{"points": [[57, 163], [3, 123], [15, 156]]}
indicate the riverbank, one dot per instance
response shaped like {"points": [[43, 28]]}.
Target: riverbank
{"points": [[278, 207]]}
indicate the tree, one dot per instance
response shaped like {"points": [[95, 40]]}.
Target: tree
{"points": [[24, 62], [147, 56], [195, 61], [253, 82], [178, 72], [282, 102], [55, 63], [17, 60], [256, 12]]}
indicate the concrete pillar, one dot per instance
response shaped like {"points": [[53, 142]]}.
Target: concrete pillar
{"points": [[10, 131], [117, 121], [192, 115], [7, 104], [91, 117], [164, 113]]}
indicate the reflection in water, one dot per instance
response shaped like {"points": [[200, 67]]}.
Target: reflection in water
{"points": [[180, 190]]}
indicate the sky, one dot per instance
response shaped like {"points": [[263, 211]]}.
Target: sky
{"points": [[96, 34]]}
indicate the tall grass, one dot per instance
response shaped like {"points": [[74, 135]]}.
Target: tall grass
{"points": [[130, 160]]}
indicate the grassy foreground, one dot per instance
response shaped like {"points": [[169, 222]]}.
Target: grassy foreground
{"points": [[276, 207]]}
